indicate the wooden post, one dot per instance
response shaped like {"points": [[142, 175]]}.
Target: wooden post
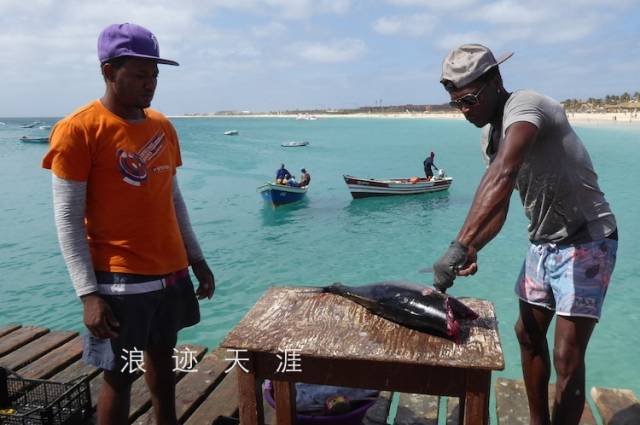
{"points": [[285, 395], [250, 396], [474, 408]]}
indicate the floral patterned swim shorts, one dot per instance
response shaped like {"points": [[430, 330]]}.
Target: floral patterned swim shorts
{"points": [[570, 279]]}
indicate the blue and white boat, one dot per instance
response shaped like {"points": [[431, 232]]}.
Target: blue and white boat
{"points": [[279, 194]]}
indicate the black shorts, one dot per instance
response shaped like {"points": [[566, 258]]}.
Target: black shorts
{"points": [[151, 318]]}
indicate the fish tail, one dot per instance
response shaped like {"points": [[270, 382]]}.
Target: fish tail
{"points": [[335, 288]]}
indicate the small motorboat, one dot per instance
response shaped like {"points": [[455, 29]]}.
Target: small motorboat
{"points": [[364, 188], [44, 127], [30, 125], [294, 144], [25, 139], [231, 133], [280, 194]]}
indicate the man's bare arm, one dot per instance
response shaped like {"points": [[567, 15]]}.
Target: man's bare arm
{"points": [[488, 211]]}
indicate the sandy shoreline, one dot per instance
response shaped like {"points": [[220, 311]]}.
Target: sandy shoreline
{"points": [[608, 118]]}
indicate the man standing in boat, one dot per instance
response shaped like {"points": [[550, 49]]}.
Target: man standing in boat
{"points": [[529, 145], [428, 163], [124, 229], [282, 175]]}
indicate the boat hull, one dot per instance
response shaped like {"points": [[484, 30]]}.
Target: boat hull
{"points": [[34, 139], [365, 188], [294, 144], [277, 194]]}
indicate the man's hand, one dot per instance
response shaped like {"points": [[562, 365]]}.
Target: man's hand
{"points": [[206, 281], [471, 266], [98, 317], [448, 266]]}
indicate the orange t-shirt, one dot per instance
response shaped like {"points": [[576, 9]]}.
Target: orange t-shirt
{"points": [[129, 168]]}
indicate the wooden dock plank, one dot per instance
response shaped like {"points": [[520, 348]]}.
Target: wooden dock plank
{"points": [[222, 402], [35, 349], [194, 387], [20, 337], [7, 329], [54, 361], [75, 370], [513, 408], [417, 409], [379, 412], [617, 406]]}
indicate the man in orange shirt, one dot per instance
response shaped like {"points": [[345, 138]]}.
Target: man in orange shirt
{"points": [[123, 226]]}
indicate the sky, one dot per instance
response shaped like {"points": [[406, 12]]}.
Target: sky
{"points": [[268, 55]]}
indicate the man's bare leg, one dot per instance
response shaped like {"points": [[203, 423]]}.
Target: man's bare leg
{"points": [[572, 337], [114, 398], [161, 381], [531, 330]]}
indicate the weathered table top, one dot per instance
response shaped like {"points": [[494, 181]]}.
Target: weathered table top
{"points": [[325, 325]]}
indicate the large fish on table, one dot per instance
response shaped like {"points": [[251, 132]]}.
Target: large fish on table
{"points": [[417, 307]]}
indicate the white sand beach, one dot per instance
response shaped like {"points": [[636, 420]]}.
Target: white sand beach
{"points": [[595, 118]]}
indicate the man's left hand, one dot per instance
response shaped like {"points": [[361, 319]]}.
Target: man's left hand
{"points": [[206, 281]]}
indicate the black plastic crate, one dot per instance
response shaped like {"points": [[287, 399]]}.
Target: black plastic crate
{"points": [[42, 402]]}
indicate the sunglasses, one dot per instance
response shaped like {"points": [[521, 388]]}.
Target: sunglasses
{"points": [[467, 100]]}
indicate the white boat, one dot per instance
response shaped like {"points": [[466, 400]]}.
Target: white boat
{"points": [[231, 133], [364, 188], [45, 127], [294, 144], [25, 139], [306, 117]]}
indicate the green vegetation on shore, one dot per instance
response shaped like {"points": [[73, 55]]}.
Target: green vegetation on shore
{"points": [[610, 103]]}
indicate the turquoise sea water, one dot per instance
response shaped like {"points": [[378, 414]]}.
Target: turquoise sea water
{"points": [[329, 237]]}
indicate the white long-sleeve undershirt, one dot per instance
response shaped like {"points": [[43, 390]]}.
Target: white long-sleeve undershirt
{"points": [[69, 205]]}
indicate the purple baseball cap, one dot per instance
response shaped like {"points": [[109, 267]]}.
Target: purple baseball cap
{"points": [[129, 40]]}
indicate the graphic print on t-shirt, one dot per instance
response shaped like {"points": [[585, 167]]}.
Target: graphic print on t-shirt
{"points": [[133, 166]]}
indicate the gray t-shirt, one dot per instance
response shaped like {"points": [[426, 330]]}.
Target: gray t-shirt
{"points": [[557, 184]]}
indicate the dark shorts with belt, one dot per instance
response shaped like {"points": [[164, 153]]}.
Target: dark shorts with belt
{"points": [[150, 309]]}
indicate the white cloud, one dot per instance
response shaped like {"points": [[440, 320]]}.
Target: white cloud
{"points": [[287, 9], [452, 40], [272, 29], [413, 25], [513, 13], [435, 4], [334, 52]]}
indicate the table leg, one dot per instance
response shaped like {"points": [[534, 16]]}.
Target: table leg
{"points": [[285, 393], [250, 399], [474, 408]]}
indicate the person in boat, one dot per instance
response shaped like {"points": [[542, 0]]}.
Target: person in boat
{"points": [[528, 144], [305, 178], [428, 163], [126, 237], [282, 175]]}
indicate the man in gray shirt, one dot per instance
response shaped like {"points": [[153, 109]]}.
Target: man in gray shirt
{"points": [[529, 146]]}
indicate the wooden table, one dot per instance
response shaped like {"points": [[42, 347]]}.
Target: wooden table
{"points": [[339, 342]]}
